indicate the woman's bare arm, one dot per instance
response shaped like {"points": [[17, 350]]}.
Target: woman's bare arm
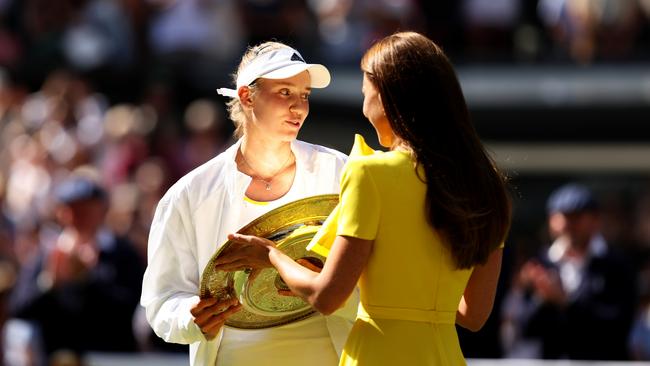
{"points": [[328, 290], [478, 299]]}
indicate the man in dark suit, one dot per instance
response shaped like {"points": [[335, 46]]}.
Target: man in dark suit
{"points": [[577, 300], [81, 291]]}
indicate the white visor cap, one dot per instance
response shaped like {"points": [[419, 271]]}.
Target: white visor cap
{"points": [[279, 63]]}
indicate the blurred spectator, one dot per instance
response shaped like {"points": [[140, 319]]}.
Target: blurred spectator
{"points": [[577, 300], [385, 16], [195, 42], [65, 116], [7, 232], [100, 36], [639, 341], [133, 203], [619, 24], [347, 28], [208, 134], [42, 25], [290, 21], [640, 336], [202, 27], [10, 47], [28, 181], [81, 291], [164, 110], [490, 25], [588, 29], [126, 145], [340, 33], [7, 260], [443, 23], [642, 224]]}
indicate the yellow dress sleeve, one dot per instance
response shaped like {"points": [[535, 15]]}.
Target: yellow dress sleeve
{"points": [[322, 241], [358, 214], [324, 238]]}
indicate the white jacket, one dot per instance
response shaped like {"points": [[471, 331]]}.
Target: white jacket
{"points": [[193, 219]]}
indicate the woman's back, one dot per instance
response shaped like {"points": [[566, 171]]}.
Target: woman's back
{"points": [[409, 266], [410, 288]]}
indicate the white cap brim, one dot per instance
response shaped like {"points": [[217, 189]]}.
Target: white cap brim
{"points": [[320, 76], [280, 63]]}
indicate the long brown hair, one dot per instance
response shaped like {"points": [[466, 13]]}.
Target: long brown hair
{"points": [[467, 199]]}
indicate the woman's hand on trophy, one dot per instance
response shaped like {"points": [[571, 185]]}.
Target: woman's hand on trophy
{"points": [[245, 251]]}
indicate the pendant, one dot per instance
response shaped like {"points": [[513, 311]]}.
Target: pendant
{"points": [[268, 186]]}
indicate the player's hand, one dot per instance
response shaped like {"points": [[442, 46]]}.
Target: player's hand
{"points": [[210, 314]]}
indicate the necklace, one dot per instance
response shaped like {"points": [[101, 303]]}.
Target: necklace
{"points": [[267, 182]]}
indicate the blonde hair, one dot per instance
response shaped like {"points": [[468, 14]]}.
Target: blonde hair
{"points": [[235, 109]]}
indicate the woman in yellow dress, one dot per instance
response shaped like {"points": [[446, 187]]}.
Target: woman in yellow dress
{"points": [[420, 228]]}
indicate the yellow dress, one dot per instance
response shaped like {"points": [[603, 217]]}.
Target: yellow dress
{"points": [[410, 289]]}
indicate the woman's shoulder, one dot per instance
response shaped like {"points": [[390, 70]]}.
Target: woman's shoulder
{"points": [[379, 160], [385, 167], [316, 157]]}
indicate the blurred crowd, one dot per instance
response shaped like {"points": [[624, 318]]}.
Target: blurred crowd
{"points": [[79, 181], [126, 45], [105, 103]]}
